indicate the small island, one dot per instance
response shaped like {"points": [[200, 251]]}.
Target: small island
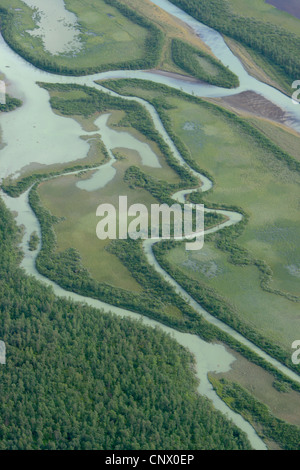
{"points": [[34, 241]]}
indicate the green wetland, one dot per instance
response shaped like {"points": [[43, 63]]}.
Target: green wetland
{"points": [[259, 259]]}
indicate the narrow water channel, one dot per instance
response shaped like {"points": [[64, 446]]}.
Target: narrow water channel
{"points": [[42, 139]]}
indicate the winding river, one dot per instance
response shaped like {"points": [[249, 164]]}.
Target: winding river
{"points": [[34, 144]]}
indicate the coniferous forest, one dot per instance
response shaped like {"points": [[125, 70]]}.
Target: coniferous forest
{"points": [[276, 44], [76, 378]]}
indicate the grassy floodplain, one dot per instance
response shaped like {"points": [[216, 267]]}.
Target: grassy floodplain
{"points": [[283, 402], [263, 186], [78, 223], [63, 189], [74, 209], [77, 226], [279, 434], [239, 164], [85, 104], [282, 136], [171, 27], [111, 38], [247, 174], [77, 378], [116, 35], [259, 9]]}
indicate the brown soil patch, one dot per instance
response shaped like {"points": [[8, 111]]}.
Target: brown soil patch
{"points": [[254, 104], [171, 26]]}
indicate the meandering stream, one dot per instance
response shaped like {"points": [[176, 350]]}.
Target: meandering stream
{"points": [[36, 125]]}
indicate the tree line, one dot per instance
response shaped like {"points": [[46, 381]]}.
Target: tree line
{"points": [[276, 44], [258, 414], [152, 47], [185, 56], [60, 269], [77, 378]]}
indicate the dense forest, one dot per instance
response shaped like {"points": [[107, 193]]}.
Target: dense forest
{"points": [[276, 44], [77, 378]]}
